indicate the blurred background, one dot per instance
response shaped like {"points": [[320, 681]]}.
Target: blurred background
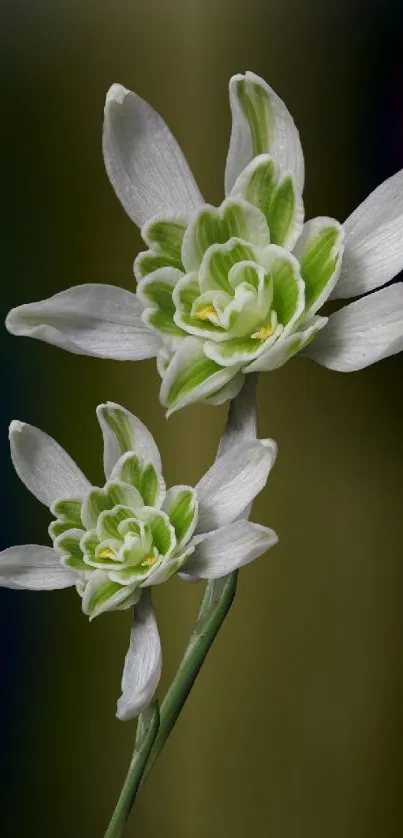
{"points": [[295, 726]]}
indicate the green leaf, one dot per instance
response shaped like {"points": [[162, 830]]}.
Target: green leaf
{"points": [[319, 250], [181, 506]]}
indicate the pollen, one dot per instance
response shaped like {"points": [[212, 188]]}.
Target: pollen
{"points": [[149, 561], [203, 313], [107, 553], [263, 333]]}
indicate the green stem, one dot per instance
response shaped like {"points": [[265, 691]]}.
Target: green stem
{"points": [[147, 729], [217, 600]]}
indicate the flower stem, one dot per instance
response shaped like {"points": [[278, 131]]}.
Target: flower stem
{"points": [[147, 729], [217, 600]]}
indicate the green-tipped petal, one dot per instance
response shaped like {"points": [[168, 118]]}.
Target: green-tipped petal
{"points": [[261, 124], [191, 377], [162, 531], [124, 432], [101, 594], [144, 477], [68, 544], [241, 350], [182, 509], [155, 293], [108, 521], [165, 235], [283, 350], [319, 251], [276, 196], [219, 260], [235, 218], [288, 287]]}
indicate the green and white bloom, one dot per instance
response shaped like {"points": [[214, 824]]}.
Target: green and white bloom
{"points": [[225, 291], [113, 543]]}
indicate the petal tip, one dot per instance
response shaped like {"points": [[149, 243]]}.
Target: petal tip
{"points": [[116, 94], [16, 427]]}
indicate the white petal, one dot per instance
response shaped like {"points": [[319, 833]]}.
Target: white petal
{"points": [[374, 241], [145, 165], [142, 669], [226, 549], [43, 465], [233, 482], [122, 432], [241, 423], [362, 333], [100, 320], [283, 143], [34, 568]]}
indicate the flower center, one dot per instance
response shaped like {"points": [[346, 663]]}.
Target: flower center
{"points": [[107, 553], [203, 313], [263, 333]]}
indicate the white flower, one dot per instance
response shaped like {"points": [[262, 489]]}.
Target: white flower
{"points": [[226, 291], [114, 543]]}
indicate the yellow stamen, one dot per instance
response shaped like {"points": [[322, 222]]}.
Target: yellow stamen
{"points": [[149, 561], [107, 553], [263, 333], [203, 313]]}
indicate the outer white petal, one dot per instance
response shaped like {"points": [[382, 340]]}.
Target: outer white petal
{"points": [[145, 165], [34, 568], [233, 482], [226, 549], [142, 669], [122, 432], [43, 465], [285, 146], [374, 241], [362, 333], [100, 320]]}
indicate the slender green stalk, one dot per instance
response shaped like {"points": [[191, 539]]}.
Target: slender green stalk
{"points": [[147, 729], [217, 600]]}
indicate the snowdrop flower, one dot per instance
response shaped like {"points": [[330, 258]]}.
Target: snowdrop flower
{"points": [[115, 542], [222, 292]]}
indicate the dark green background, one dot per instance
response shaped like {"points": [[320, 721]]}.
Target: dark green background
{"points": [[295, 727]]}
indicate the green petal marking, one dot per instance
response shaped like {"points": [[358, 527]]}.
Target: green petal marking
{"points": [[186, 292], [319, 250], [282, 211], [182, 508], [162, 531], [238, 350], [235, 218], [119, 423], [68, 544], [142, 477], [101, 593], [257, 109], [108, 521], [288, 287], [149, 485], [190, 377], [260, 184], [123, 493], [147, 262], [158, 290], [218, 262], [165, 236], [68, 510]]}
